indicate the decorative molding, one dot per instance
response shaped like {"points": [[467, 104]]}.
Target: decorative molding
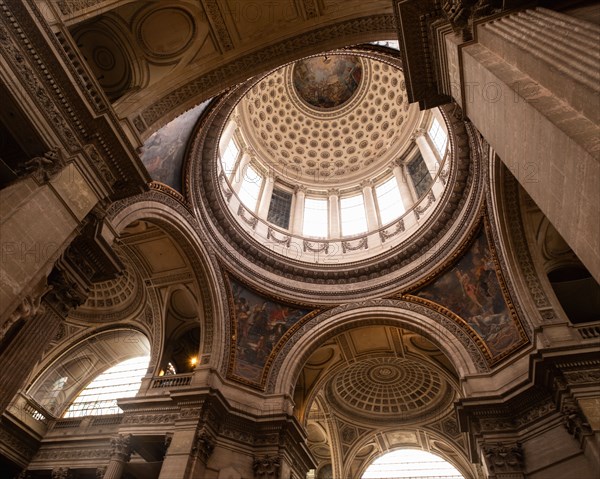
{"points": [[215, 17], [201, 86], [286, 240], [360, 244], [396, 230], [252, 221]]}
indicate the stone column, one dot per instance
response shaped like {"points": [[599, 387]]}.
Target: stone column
{"points": [[531, 89], [298, 219], [265, 196], [119, 456], [240, 172], [333, 206], [406, 193], [370, 208], [430, 157], [30, 334], [37, 321]]}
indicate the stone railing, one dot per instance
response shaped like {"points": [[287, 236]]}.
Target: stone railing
{"points": [[172, 381]]}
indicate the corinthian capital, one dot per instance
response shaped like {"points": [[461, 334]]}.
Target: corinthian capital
{"points": [[121, 447]]}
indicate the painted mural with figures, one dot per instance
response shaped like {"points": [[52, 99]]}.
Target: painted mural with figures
{"points": [[472, 291], [259, 324], [163, 152]]}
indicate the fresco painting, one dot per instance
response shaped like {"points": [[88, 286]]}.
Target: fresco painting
{"points": [[471, 290], [327, 81], [260, 324], [163, 152]]}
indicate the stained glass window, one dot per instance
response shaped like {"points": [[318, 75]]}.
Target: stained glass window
{"points": [[280, 208]]}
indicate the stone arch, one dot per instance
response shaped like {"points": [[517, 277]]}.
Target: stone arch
{"points": [[175, 220], [82, 360], [460, 348]]}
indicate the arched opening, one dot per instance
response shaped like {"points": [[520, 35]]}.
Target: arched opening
{"points": [[97, 371], [411, 464]]}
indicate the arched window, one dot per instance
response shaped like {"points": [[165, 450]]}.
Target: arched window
{"points": [[411, 463], [100, 396]]}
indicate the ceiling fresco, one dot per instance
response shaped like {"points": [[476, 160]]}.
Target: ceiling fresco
{"points": [[259, 324], [327, 81]]}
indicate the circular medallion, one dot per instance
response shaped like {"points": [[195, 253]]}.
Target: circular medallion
{"points": [[327, 82]]}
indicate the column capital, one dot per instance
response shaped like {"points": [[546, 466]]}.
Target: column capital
{"points": [[121, 447], [43, 168], [204, 445], [300, 189], [61, 473], [333, 192], [366, 184], [266, 467], [504, 458], [419, 132]]}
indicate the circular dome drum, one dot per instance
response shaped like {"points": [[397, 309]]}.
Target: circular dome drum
{"points": [[360, 189]]}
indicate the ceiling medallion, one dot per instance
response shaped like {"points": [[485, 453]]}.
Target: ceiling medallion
{"points": [[329, 81]]}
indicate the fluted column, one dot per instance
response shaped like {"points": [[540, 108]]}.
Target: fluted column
{"points": [[408, 198], [119, 456], [370, 208], [32, 329], [333, 205], [298, 219]]}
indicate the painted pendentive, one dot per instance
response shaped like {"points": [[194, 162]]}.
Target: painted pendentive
{"points": [[259, 324], [472, 290], [163, 152]]}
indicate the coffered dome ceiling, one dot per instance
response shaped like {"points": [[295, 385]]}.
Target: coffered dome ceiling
{"points": [[328, 120], [387, 387]]}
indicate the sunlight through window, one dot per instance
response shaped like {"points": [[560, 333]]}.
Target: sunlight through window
{"points": [[100, 396], [315, 218], [229, 158], [250, 190], [411, 463], [389, 201], [354, 219], [438, 136]]}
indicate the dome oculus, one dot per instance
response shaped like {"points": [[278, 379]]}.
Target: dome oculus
{"points": [[329, 81]]}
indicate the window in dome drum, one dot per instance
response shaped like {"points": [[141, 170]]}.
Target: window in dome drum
{"points": [[279, 209], [421, 178]]}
